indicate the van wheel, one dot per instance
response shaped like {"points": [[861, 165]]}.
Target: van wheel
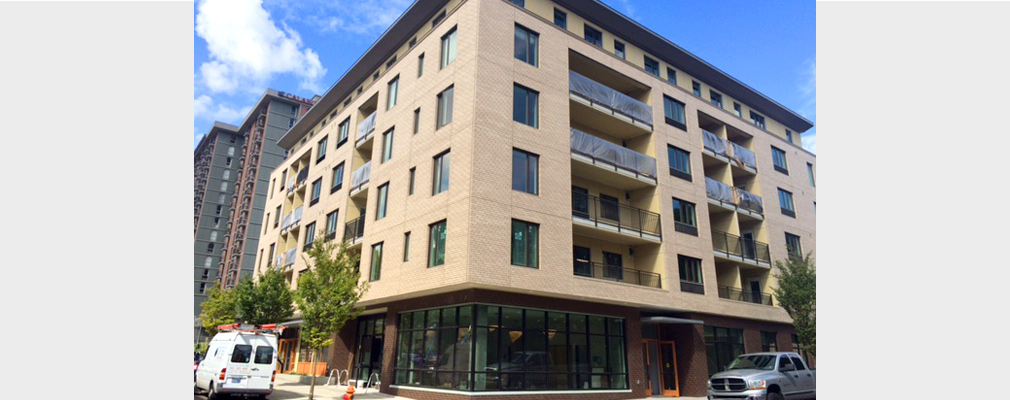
{"points": [[771, 396]]}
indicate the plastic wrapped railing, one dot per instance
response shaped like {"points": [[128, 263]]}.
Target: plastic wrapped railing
{"points": [[718, 191], [602, 150], [713, 143], [744, 155], [361, 176], [610, 98], [366, 127], [749, 201]]}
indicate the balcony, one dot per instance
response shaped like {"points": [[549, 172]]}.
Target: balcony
{"points": [[289, 258], [292, 220], [598, 105], [734, 199], [618, 274], [734, 248], [360, 178], [692, 287], [728, 152], [277, 261], [354, 231], [727, 292], [613, 221], [366, 131], [297, 182], [608, 163]]}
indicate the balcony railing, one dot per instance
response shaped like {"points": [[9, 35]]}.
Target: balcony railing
{"points": [[692, 287], [618, 274], [749, 200], [286, 222], [354, 229], [302, 176], [726, 194], [714, 143], [743, 155], [748, 249], [603, 95], [365, 129], [602, 151], [289, 258], [727, 292], [279, 260], [610, 212], [361, 176]]}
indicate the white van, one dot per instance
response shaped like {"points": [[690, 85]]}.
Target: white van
{"points": [[239, 361]]}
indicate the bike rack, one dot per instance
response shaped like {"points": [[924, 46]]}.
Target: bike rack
{"points": [[343, 372], [369, 383]]}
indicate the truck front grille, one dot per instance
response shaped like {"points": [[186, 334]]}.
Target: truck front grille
{"points": [[729, 384]]}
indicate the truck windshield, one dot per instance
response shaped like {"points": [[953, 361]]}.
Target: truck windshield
{"points": [[765, 362]]}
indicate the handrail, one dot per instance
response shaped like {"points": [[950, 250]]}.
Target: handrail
{"points": [[339, 373], [368, 384], [727, 292], [606, 96], [354, 228], [609, 212], [618, 273], [744, 248], [613, 154]]}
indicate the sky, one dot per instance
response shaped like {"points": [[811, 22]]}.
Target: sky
{"points": [[243, 47]]}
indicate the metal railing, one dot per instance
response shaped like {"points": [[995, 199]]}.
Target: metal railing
{"points": [[618, 274], [604, 95], [727, 292], [610, 212], [692, 287], [303, 175], [744, 248], [355, 228], [602, 151]]}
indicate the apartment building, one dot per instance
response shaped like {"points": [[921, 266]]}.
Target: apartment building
{"points": [[549, 200]]}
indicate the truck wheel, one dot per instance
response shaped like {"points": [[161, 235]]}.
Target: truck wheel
{"points": [[214, 395], [774, 396]]}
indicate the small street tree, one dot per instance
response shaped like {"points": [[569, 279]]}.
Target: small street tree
{"points": [[219, 309], [267, 300], [327, 295], [797, 294]]}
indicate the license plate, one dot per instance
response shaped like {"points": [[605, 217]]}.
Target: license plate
{"points": [[236, 380]]}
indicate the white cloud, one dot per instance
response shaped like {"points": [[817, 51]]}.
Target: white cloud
{"points": [[357, 17], [204, 108], [808, 107], [629, 9], [246, 48]]}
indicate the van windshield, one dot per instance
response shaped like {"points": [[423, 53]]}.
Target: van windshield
{"points": [[264, 355], [242, 353]]}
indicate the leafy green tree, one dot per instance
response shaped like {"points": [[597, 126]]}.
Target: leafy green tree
{"points": [[797, 294], [327, 295], [201, 347], [219, 309], [267, 300]]}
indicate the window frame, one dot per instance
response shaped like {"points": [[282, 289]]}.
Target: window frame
{"points": [[678, 156], [317, 189], [443, 114], [449, 44], [586, 35], [440, 173], [670, 106], [691, 275], [810, 174], [382, 200], [375, 268], [392, 92], [337, 180], [435, 244], [794, 245], [564, 18], [387, 145], [531, 105], [654, 71], [532, 257], [777, 156], [685, 216], [619, 50], [531, 48], [715, 98], [696, 88], [757, 119], [786, 199], [531, 179]]}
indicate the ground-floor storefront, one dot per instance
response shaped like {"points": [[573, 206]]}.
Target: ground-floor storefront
{"points": [[512, 346], [294, 357]]}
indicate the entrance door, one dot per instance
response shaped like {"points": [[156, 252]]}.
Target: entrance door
{"points": [[286, 355], [660, 368], [668, 354], [609, 208], [580, 202], [583, 263]]}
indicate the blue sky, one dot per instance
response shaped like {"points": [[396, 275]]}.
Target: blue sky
{"points": [[243, 47]]}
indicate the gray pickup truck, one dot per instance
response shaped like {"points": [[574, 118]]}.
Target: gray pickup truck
{"points": [[764, 376]]}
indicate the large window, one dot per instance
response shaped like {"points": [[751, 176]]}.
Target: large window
{"points": [[317, 187], [722, 346], [779, 159], [440, 174], [491, 348], [448, 48], [526, 45], [444, 108], [524, 105], [769, 341], [690, 275], [392, 92], [342, 131], [387, 145], [684, 217], [594, 36], [793, 247], [524, 171], [436, 244], [376, 270], [380, 206], [338, 178], [525, 244], [321, 149], [680, 162], [651, 66], [674, 111], [786, 203]]}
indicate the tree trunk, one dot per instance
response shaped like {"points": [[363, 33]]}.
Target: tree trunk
{"points": [[312, 387]]}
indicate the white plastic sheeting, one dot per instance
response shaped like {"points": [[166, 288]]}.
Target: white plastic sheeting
{"points": [[286, 222], [718, 190], [361, 175], [750, 201], [604, 95], [289, 257], [714, 143], [296, 217], [609, 152], [367, 126], [744, 155]]}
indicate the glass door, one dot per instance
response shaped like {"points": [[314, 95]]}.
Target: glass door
{"points": [[580, 202], [668, 355], [583, 264]]}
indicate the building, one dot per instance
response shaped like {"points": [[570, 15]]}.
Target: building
{"points": [[231, 169], [549, 200]]}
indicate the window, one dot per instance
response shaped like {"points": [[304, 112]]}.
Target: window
{"points": [[210, 247], [321, 149], [412, 42], [789, 136], [524, 171], [203, 287], [331, 223], [413, 171], [444, 108], [696, 87], [690, 275], [560, 18], [651, 66], [217, 211], [526, 45], [619, 52], [375, 76], [291, 122], [224, 186], [671, 75], [722, 345], [779, 159], [737, 109], [436, 244], [757, 120], [391, 92], [440, 173], [221, 198], [793, 247], [524, 105], [277, 216], [264, 355], [380, 206], [226, 174], [310, 236], [594, 36], [227, 162], [242, 353], [674, 111], [525, 238], [391, 62], [448, 48], [294, 110], [342, 131], [684, 217], [798, 348], [420, 65], [213, 236], [417, 119], [786, 203], [810, 173], [316, 188], [520, 3], [716, 98], [680, 162], [376, 262], [406, 246], [338, 178], [387, 145], [769, 341]]}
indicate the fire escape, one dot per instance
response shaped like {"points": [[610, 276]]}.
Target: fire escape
{"points": [[242, 202], [202, 172]]}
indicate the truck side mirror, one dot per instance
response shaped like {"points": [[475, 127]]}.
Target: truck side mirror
{"points": [[787, 368]]}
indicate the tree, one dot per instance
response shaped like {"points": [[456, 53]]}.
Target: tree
{"points": [[797, 294], [218, 309], [267, 300], [327, 295]]}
